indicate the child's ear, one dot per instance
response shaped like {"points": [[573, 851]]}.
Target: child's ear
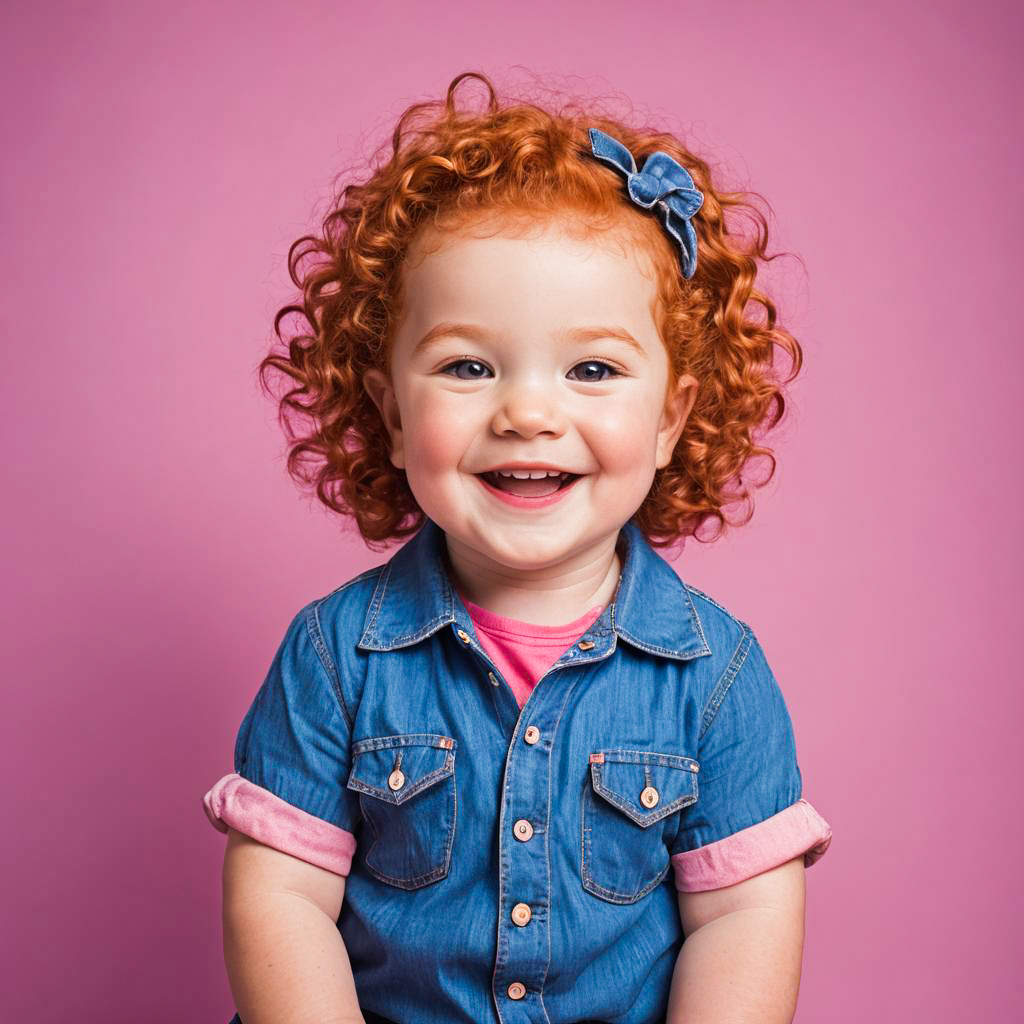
{"points": [[677, 408], [379, 387]]}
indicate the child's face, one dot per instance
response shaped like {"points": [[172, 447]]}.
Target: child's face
{"points": [[520, 371]]}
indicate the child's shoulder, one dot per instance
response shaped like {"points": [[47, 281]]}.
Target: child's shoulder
{"points": [[705, 599], [331, 624], [722, 629], [331, 618], [735, 647], [347, 602], [733, 642]]}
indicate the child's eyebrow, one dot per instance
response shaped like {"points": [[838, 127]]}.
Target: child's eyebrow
{"points": [[577, 335]]}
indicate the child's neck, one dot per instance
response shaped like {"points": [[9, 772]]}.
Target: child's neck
{"points": [[545, 597]]}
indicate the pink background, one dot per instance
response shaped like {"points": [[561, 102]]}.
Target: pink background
{"points": [[158, 161]]}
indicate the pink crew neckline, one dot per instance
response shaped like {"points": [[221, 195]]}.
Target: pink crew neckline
{"points": [[495, 623]]}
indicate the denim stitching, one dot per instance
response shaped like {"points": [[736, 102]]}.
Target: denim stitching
{"points": [[707, 597], [696, 618], [316, 638], [375, 603], [370, 637], [417, 739], [409, 638], [371, 640], [315, 633], [623, 756], [642, 758], [547, 830], [583, 827], [455, 821], [373, 828], [644, 820], [611, 895], [501, 947], [406, 792], [417, 881], [685, 654], [721, 688], [590, 657], [396, 799]]}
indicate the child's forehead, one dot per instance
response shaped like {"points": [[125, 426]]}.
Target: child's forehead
{"points": [[522, 261], [547, 275], [573, 232]]}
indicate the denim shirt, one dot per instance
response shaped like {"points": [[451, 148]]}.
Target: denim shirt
{"points": [[518, 865]]}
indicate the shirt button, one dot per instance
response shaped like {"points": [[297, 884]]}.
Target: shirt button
{"points": [[521, 914], [532, 734], [585, 645], [649, 797], [396, 780], [523, 830], [463, 636], [493, 678], [516, 990]]}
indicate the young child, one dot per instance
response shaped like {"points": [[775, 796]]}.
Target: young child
{"points": [[500, 777]]}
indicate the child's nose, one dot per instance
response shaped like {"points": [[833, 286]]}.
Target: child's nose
{"points": [[529, 410]]}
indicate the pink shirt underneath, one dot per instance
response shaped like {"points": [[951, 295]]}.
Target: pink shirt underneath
{"points": [[522, 651]]}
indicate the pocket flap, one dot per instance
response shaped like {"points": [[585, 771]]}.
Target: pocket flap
{"points": [[395, 768], [644, 784]]}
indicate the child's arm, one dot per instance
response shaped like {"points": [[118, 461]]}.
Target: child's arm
{"points": [[285, 957], [743, 951]]}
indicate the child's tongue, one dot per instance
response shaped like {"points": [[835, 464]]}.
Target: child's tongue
{"points": [[526, 488]]}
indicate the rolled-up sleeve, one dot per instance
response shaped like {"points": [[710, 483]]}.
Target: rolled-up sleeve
{"points": [[291, 758], [750, 814]]}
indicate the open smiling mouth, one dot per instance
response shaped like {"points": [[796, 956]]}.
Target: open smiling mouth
{"points": [[525, 488]]}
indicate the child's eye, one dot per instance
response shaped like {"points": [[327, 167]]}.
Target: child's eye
{"points": [[590, 379], [475, 375], [478, 370]]}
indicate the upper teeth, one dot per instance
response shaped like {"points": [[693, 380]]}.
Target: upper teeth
{"points": [[529, 474]]}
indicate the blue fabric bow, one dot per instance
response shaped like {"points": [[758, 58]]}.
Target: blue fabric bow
{"points": [[664, 183]]}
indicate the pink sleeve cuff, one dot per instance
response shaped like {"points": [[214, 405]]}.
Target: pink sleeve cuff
{"points": [[796, 829], [248, 808]]}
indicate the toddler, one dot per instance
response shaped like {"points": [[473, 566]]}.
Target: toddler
{"points": [[502, 776]]}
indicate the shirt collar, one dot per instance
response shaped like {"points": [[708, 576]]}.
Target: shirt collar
{"points": [[652, 608]]}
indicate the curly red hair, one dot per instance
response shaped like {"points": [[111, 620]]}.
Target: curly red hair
{"points": [[448, 167]]}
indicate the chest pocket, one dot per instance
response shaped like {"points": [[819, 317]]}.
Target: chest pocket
{"points": [[406, 787], [629, 799]]}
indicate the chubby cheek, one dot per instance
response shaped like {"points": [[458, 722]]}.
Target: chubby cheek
{"points": [[623, 442], [437, 434]]}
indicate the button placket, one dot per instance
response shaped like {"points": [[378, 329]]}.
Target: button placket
{"points": [[525, 888], [467, 640], [524, 945]]}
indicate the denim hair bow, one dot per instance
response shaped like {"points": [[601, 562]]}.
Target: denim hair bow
{"points": [[664, 183]]}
